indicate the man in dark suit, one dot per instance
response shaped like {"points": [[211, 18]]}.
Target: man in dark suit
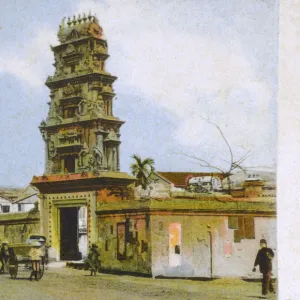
{"points": [[4, 255], [264, 260]]}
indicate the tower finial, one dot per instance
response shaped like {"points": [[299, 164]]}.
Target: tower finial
{"points": [[84, 18], [74, 20], [79, 19], [63, 22], [90, 16], [69, 22]]}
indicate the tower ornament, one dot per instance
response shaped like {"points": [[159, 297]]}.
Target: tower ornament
{"points": [[69, 90]]}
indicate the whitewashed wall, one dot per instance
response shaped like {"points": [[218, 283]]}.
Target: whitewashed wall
{"points": [[229, 259]]}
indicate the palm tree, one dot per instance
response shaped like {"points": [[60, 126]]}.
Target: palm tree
{"points": [[142, 169]]}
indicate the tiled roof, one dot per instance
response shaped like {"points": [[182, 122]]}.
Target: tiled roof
{"points": [[180, 178]]}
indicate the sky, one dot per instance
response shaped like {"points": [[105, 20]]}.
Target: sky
{"points": [[178, 64]]}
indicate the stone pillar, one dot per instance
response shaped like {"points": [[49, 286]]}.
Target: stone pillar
{"points": [[118, 158], [115, 159], [92, 218], [100, 146]]}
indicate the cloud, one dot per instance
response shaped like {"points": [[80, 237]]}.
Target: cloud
{"points": [[31, 61]]}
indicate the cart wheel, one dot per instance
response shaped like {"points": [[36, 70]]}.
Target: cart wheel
{"points": [[13, 271], [41, 270]]}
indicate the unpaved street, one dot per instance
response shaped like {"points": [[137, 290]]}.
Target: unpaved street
{"points": [[64, 283]]}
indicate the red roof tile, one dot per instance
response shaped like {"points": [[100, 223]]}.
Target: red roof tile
{"points": [[180, 178]]}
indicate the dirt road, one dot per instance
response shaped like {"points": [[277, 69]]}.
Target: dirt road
{"points": [[63, 283]]}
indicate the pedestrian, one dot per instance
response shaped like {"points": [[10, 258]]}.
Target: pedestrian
{"points": [[4, 256], [264, 261], [35, 254], [93, 259]]}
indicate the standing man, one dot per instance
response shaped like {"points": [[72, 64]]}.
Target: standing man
{"points": [[93, 259], [4, 256], [264, 260]]}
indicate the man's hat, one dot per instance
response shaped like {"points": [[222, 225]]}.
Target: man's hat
{"points": [[94, 246], [262, 241], [4, 242], [36, 243]]}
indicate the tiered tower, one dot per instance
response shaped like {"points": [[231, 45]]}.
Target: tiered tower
{"points": [[81, 133], [82, 138]]}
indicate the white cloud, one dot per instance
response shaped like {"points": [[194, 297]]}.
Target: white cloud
{"points": [[30, 62]]}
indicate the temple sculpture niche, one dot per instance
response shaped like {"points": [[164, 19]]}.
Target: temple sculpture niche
{"points": [[81, 132]]}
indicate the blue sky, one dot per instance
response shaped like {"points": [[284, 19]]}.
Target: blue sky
{"points": [[177, 62]]}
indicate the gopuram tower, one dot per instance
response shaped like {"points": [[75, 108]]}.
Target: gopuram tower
{"points": [[82, 138]]}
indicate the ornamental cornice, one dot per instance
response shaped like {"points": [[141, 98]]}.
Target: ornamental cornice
{"points": [[56, 81]]}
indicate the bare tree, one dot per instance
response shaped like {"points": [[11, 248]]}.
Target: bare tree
{"points": [[233, 163]]}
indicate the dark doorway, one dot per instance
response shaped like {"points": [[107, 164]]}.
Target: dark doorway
{"points": [[70, 164], [69, 234]]}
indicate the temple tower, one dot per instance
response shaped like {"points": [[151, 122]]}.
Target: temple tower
{"points": [[81, 132], [82, 138]]}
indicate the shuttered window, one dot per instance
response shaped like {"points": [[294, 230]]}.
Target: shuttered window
{"points": [[244, 228]]}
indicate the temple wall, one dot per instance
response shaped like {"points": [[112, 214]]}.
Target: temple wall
{"points": [[124, 243]]}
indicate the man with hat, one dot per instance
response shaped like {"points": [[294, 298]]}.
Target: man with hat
{"points": [[35, 254], [93, 259], [264, 260]]}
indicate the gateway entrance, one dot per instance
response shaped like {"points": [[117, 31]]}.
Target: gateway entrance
{"points": [[73, 242]]}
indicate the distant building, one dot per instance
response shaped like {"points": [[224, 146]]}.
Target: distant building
{"points": [[199, 181], [20, 200], [5, 205]]}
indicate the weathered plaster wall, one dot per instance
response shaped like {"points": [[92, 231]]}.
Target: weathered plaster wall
{"points": [[237, 259], [16, 228], [229, 258], [137, 256]]}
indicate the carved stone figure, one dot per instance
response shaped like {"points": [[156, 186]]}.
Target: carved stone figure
{"points": [[70, 49], [82, 107], [90, 162], [84, 65], [98, 156], [96, 62], [69, 90], [112, 135], [99, 105], [83, 152], [52, 150]]}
